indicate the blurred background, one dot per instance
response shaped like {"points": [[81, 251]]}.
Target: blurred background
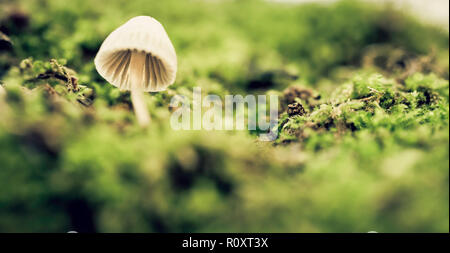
{"points": [[435, 11], [363, 127]]}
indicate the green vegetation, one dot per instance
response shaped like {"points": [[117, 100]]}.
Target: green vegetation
{"points": [[363, 130]]}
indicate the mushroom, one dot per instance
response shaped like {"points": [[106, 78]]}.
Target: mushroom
{"points": [[139, 57]]}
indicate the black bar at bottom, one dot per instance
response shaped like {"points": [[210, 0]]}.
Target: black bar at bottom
{"points": [[224, 242]]}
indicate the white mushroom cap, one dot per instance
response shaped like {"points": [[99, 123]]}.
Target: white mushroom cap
{"points": [[138, 55]]}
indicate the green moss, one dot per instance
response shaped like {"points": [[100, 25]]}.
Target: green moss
{"points": [[369, 150]]}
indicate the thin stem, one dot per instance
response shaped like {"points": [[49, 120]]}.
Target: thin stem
{"points": [[140, 108], [137, 67]]}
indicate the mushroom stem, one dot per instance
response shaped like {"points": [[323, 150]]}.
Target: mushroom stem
{"points": [[137, 67], [140, 108]]}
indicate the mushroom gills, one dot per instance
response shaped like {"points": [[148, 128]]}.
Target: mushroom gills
{"points": [[133, 69]]}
